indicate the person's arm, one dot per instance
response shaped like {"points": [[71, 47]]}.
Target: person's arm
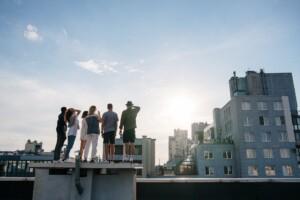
{"points": [[99, 117], [103, 124], [77, 111], [137, 108], [116, 125], [122, 122]]}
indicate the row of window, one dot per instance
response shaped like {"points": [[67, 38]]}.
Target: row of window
{"points": [[262, 106], [268, 153], [270, 170], [209, 155], [210, 171], [264, 121], [265, 137]]}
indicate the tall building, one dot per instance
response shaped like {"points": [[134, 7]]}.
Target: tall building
{"points": [[258, 129], [178, 145], [145, 154], [196, 129]]}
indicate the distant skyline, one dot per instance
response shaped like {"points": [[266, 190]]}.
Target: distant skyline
{"points": [[173, 58]]}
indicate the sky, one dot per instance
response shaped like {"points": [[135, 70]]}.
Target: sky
{"points": [[173, 58]]}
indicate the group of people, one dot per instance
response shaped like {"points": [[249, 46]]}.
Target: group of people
{"points": [[90, 130]]}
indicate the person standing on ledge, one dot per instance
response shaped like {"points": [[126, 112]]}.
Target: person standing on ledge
{"points": [[61, 129], [73, 123], [128, 122], [83, 132], [108, 131], [93, 131]]}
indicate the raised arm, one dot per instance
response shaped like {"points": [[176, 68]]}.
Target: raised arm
{"points": [[137, 108]]}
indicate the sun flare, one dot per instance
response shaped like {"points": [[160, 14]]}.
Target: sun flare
{"points": [[180, 109]]}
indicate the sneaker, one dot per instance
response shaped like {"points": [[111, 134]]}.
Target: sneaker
{"points": [[68, 160], [92, 161], [85, 160], [125, 158]]}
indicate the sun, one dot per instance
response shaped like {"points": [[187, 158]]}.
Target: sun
{"points": [[180, 109]]}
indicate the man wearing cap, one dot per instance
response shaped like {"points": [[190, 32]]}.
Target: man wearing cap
{"points": [[128, 122]]}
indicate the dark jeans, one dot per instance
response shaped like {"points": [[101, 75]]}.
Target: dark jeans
{"points": [[71, 140], [61, 137]]}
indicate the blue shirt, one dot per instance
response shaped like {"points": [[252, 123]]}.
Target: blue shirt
{"points": [[110, 121]]}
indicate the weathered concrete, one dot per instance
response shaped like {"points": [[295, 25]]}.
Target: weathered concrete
{"points": [[56, 181]]}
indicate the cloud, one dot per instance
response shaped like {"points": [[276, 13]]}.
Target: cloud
{"points": [[31, 33], [98, 67]]}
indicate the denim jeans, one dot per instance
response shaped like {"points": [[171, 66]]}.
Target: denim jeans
{"points": [[71, 140]]}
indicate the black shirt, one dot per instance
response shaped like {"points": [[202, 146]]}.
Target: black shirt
{"points": [[61, 124]]}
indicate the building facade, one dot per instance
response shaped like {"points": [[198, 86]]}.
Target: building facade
{"points": [[145, 154], [260, 121], [178, 145], [196, 129], [16, 163]]}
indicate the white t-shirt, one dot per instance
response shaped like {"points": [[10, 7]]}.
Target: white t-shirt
{"points": [[83, 131], [75, 126]]}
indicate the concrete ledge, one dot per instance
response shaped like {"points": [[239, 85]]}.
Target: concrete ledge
{"points": [[218, 180], [17, 179], [87, 165]]}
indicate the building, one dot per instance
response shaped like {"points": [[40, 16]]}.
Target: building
{"points": [[15, 163], [209, 134], [178, 145], [215, 160], [33, 146], [145, 154], [261, 122], [196, 129]]}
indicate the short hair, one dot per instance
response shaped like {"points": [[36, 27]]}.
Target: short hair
{"points": [[63, 109], [109, 106]]}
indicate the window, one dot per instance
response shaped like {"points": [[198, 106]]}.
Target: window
{"points": [[263, 121], [247, 121], [138, 150], [249, 137], [262, 106], [279, 121], [209, 171], [287, 170], [266, 137], [268, 153], [228, 170], [208, 155], [246, 106], [227, 155], [270, 170], [250, 153], [118, 149], [252, 171], [284, 153], [283, 137], [277, 106]]}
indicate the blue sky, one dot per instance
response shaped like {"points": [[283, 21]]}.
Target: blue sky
{"points": [[173, 58]]}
